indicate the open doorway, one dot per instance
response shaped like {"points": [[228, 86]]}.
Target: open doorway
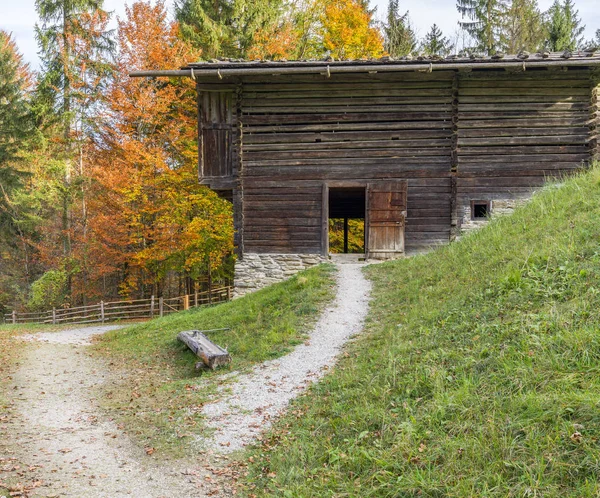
{"points": [[347, 220]]}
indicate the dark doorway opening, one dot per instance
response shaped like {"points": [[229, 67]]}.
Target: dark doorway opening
{"points": [[347, 220]]}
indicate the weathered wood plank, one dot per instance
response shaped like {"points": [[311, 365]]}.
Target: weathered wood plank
{"points": [[341, 136], [524, 132], [249, 120], [358, 144], [363, 126], [210, 353], [526, 140]]}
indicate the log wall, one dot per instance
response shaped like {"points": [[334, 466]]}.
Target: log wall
{"points": [[516, 130], [299, 132], [456, 136]]}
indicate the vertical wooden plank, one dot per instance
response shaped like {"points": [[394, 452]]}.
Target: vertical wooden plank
{"points": [[325, 220], [152, 307], [238, 221], [455, 105], [53, 316], [186, 302], [595, 116], [102, 311], [14, 317], [454, 222], [345, 235], [160, 306], [199, 98]]}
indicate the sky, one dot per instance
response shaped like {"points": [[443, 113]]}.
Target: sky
{"points": [[19, 17]]}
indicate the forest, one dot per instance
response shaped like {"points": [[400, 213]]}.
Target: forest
{"points": [[99, 195]]}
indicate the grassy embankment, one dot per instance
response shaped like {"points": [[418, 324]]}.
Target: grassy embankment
{"points": [[479, 374], [159, 396]]}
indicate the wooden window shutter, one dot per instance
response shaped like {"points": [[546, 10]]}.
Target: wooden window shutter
{"points": [[215, 134]]}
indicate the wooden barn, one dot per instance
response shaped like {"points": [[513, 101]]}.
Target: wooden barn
{"points": [[417, 150]]}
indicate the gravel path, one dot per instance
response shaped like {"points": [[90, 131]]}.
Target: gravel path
{"points": [[81, 336], [56, 442], [256, 398]]}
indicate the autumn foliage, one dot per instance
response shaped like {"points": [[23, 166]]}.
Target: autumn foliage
{"points": [[100, 197], [347, 31], [146, 164]]}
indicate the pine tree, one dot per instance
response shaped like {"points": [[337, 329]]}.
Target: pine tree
{"points": [[564, 27], [225, 28], [594, 43], [18, 136], [75, 49], [484, 24], [524, 27], [16, 120], [436, 43], [16, 125], [400, 39]]}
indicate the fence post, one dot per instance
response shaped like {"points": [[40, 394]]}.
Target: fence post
{"points": [[102, 311], [196, 298], [14, 317], [152, 307], [160, 306], [229, 293], [53, 316], [186, 302], [210, 294]]}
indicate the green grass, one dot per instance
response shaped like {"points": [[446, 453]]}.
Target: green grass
{"points": [[478, 374], [160, 395]]}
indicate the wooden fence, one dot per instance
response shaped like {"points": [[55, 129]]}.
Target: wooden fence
{"points": [[123, 310]]}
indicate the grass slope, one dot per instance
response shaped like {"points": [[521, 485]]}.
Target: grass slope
{"points": [[160, 395], [479, 374]]}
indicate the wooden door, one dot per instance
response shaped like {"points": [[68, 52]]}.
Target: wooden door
{"points": [[386, 217]]}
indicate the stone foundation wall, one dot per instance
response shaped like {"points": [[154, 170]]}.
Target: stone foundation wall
{"points": [[255, 271], [499, 207]]}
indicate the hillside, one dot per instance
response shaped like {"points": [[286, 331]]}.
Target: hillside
{"points": [[478, 374]]}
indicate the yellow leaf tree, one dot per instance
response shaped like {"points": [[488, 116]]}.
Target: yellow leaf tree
{"points": [[347, 30]]}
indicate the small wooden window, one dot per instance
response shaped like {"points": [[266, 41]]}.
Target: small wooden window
{"points": [[480, 210]]}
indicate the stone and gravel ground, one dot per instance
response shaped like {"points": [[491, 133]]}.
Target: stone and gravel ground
{"points": [[55, 441]]}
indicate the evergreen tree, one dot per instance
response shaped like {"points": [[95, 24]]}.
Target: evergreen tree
{"points": [[18, 135], [594, 43], [436, 43], [16, 127], [400, 39], [16, 120], [564, 27], [484, 24], [523, 27], [225, 28], [75, 50]]}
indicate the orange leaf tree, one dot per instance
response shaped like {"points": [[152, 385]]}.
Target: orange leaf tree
{"points": [[157, 218]]}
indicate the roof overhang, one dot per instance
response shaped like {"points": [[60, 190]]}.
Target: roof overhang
{"points": [[228, 68]]}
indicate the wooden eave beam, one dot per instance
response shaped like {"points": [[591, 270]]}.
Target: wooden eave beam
{"points": [[221, 73]]}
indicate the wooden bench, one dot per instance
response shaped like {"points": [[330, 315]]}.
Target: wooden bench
{"points": [[211, 354]]}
